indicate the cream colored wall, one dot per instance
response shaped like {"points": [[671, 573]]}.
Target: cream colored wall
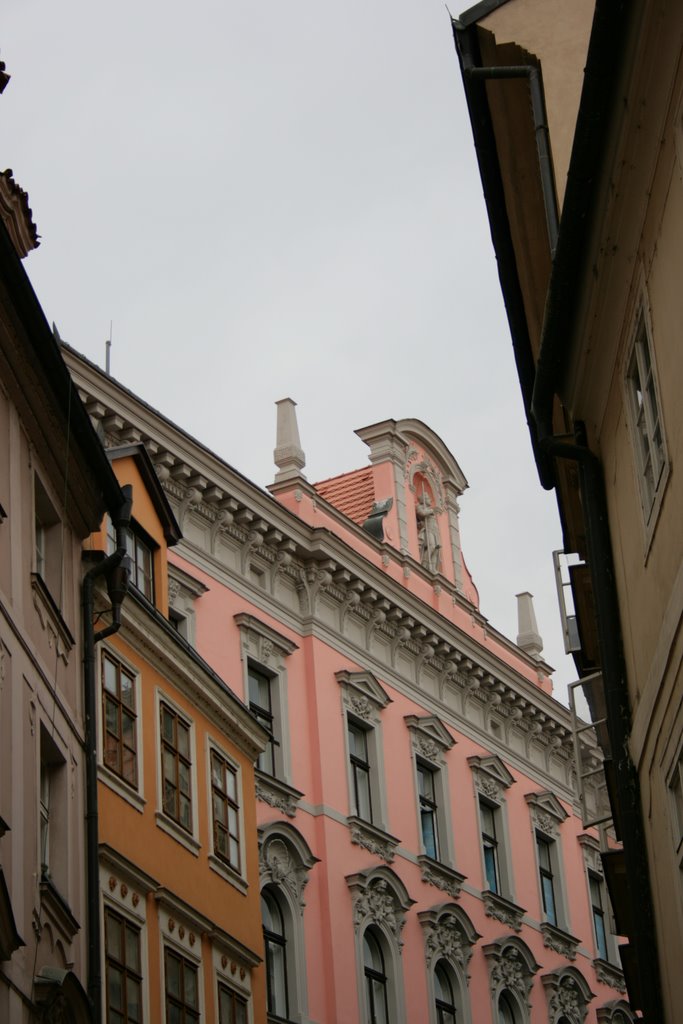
{"points": [[638, 250], [557, 33]]}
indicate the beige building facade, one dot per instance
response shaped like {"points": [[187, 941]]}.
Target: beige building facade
{"points": [[584, 191]]}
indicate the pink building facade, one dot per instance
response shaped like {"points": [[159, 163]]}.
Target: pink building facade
{"points": [[422, 853]]}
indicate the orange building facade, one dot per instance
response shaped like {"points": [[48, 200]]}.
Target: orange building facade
{"points": [[180, 929]]}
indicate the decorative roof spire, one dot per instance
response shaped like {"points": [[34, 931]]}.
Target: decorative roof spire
{"points": [[528, 637], [288, 455]]}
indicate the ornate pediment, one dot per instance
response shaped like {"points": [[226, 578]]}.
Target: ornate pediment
{"points": [[431, 739], [491, 777], [547, 812], [363, 695], [511, 966], [285, 859], [568, 996], [449, 934], [379, 897]]}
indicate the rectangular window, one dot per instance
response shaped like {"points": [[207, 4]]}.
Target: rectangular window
{"points": [[225, 803], [141, 564], [360, 771], [596, 889], [232, 1008], [645, 412], [489, 844], [176, 767], [123, 970], [545, 869], [261, 706], [52, 811], [428, 810], [47, 540], [119, 719], [182, 989]]}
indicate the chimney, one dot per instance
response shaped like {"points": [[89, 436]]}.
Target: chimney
{"points": [[288, 455], [528, 637]]}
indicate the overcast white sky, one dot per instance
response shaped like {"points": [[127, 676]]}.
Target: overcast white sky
{"points": [[272, 199]]}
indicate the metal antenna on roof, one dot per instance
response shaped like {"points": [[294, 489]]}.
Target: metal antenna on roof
{"points": [[107, 358]]}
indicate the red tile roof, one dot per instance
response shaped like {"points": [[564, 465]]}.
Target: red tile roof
{"points": [[352, 493]]}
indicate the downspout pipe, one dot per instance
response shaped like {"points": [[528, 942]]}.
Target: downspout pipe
{"points": [[115, 571], [540, 118]]}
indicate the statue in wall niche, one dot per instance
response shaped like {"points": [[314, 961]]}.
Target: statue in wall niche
{"points": [[428, 536]]}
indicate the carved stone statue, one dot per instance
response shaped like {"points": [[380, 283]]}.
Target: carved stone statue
{"points": [[428, 536]]}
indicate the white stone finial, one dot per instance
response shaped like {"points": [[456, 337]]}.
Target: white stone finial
{"points": [[288, 455], [528, 637]]}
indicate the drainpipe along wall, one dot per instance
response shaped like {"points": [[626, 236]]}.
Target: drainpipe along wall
{"points": [[113, 569]]}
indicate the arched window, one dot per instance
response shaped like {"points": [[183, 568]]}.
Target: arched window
{"points": [[275, 941], [444, 994], [375, 979], [506, 1009]]}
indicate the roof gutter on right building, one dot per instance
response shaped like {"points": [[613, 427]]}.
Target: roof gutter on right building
{"points": [[541, 369]]}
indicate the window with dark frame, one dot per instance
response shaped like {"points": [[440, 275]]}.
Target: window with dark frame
{"points": [[182, 989], [225, 804], [275, 942], [489, 845], [647, 425], [47, 541], [232, 1007], [261, 706], [596, 891], [123, 969], [375, 980], [176, 767], [140, 551], [428, 809], [446, 1011], [545, 870], [360, 771], [119, 719]]}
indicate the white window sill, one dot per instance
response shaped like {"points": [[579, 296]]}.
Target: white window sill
{"points": [[114, 782], [175, 831], [228, 873]]}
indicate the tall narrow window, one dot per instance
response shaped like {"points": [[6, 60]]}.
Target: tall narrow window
{"points": [[123, 970], [225, 802], [596, 884], [182, 990], [360, 771], [119, 719], [506, 1011], [48, 541], [141, 563], [232, 1007], [176, 767], [275, 941], [375, 980], [445, 999], [489, 844], [428, 810], [545, 870], [645, 412], [261, 706]]}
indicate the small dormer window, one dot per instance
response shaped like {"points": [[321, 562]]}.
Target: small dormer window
{"points": [[140, 551]]}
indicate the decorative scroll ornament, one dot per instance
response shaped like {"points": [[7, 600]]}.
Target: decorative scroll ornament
{"points": [[378, 905], [445, 940], [280, 867], [488, 786]]}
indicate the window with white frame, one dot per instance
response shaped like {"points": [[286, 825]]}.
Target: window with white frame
{"points": [[53, 830], [363, 700], [119, 719], [264, 657], [431, 742], [176, 766], [645, 417], [47, 560], [601, 912], [283, 917], [225, 809], [123, 969], [596, 885], [449, 938], [491, 780], [380, 902], [547, 815]]}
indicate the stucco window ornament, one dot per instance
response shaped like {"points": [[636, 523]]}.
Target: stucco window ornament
{"points": [[379, 898], [277, 794], [285, 860], [568, 996], [449, 934], [617, 1011], [547, 813], [262, 643], [491, 777], [511, 967]]}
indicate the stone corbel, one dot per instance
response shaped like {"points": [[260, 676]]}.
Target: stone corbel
{"points": [[189, 501]]}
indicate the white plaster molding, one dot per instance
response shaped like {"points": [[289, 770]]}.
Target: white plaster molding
{"points": [[511, 967], [502, 909], [568, 995], [559, 941], [379, 897]]}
